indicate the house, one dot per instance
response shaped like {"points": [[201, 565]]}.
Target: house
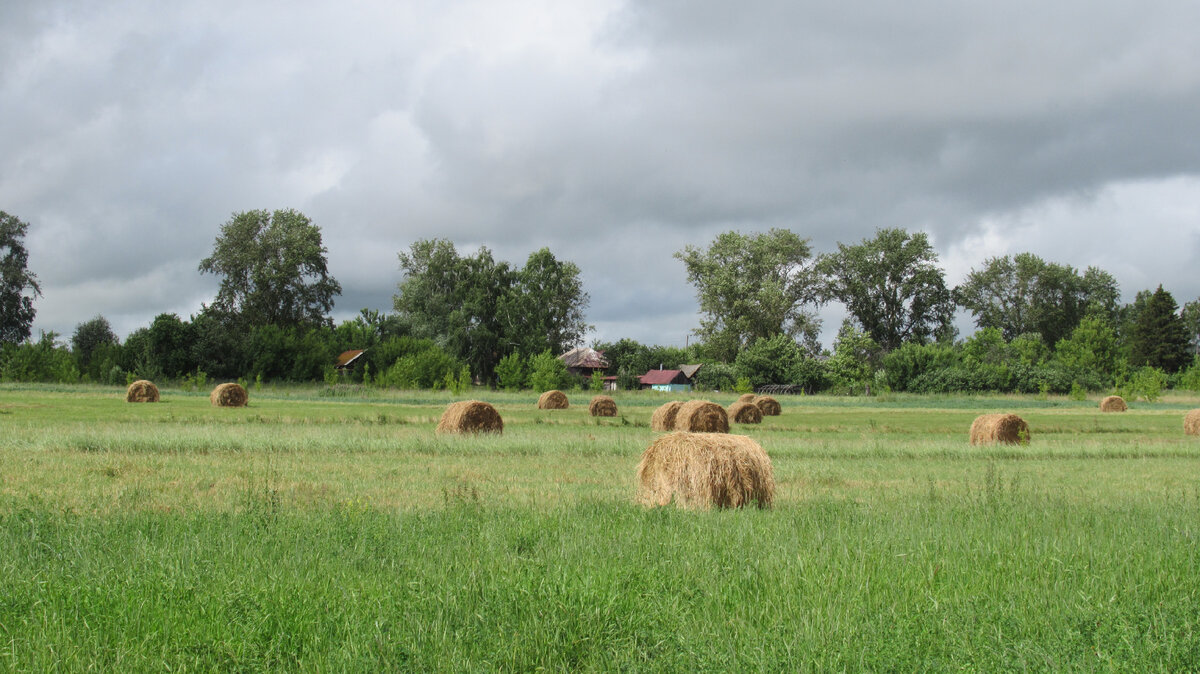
{"points": [[690, 371], [666, 380], [584, 361], [345, 362]]}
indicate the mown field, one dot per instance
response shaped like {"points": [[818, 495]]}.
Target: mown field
{"points": [[308, 532]]}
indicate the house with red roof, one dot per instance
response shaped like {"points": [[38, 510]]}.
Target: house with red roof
{"points": [[666, 380]]}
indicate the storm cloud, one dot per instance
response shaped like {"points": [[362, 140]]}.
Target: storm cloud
{"points": [[614, 133]]}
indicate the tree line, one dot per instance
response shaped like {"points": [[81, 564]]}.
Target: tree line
{"points": [[461, 318]]}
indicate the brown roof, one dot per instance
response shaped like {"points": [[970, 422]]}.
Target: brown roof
{"points": [[690, 371], [654, 377], [585, 357], [348, 357]]}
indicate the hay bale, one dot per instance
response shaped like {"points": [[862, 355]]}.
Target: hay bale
{"points": [[553, 400], [746, 398], [701, 416], [1008, 429], [1113, 404], [745, 413], [663, 418], [228, 395], [602, 406], [470, 416], [141, 391], [1191, 423], [769, 406], [703, 470]]}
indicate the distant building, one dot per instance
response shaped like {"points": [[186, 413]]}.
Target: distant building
{"points": [[666, 380], [584, 361], [690, 371], [345, 362]]}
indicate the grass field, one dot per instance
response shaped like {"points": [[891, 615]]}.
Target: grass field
{"points": [[308, 532]]}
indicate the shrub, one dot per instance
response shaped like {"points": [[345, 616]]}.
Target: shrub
{"points": [[511, 372], [547, 372], [716, 377]]}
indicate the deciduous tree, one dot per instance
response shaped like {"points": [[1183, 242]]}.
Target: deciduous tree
{"points": [[273, 270], [754, 286], [892, 285], [18, 285]]}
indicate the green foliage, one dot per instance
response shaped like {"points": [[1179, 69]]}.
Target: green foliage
{"points": [[771, 360], [855, 359], [627, 380], [273, 270], [424, 369], [716, 377], [43, 361], [1091, 348], [901, 366], [1025, 294], [458, 383], [1144, 382], [892, 285], [1160, 338], [1189, 379], [596, 382], [743, 385], [752, 287], [90, 336], [511, 371], [18, 285], [547, 372], [1078, 393]]}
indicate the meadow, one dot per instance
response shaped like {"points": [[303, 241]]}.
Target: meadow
{"points": [[338, 532]]}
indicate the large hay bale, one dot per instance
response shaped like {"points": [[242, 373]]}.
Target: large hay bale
{"points": [[1191, 423], [701, 416], [228, 395], [702, 470], [470, 416], [553, 400], [769, 406], [745, 413], [1008, 429], [1113, 404], [746, 398], [141, 391], [663, 418], [602, 406]]}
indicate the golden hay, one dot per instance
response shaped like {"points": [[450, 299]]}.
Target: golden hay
{"points": [[141, 391], [702, 470], [553, 400], [1113, 404], [746, 398], [470, 416], [663, 418], [602, 406], [701, 416], [1008, 429], [769, 406], [745, 413], [1191, 423], [228, 395]]}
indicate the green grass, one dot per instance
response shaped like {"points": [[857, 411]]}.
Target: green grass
{"points": [[309, 532]]}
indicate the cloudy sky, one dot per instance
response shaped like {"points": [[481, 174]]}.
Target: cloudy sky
{"points": [[613, 132]]}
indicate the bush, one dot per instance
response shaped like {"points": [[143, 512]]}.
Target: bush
{"points": [[716, 377], [772, 360], [511, 372], [901, 366], [547, 372], [426, 369]]}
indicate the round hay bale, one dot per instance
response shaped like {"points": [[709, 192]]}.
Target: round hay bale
{"points": [[745, 413], [602, 406], [769, 406], [701, 416], [663, 418], [141, 391], [1113, 404], [1008, 429], [553, 400], [1191, 423], [470, 416], [228, 395], [746, 398], [703, 470]]}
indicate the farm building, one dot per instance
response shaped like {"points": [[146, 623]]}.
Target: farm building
{"points": [[345, 362], [583, 361], [666, 380]]}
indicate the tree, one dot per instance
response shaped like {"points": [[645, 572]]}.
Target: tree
{"points": [[1160, 338], [772, 360], [1024, 294], [273, 270], [1191, 323], [89, 337], [18, 285], [480, 309], [1091, 348], [892, 285], [855, 358], [752, 287]]}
